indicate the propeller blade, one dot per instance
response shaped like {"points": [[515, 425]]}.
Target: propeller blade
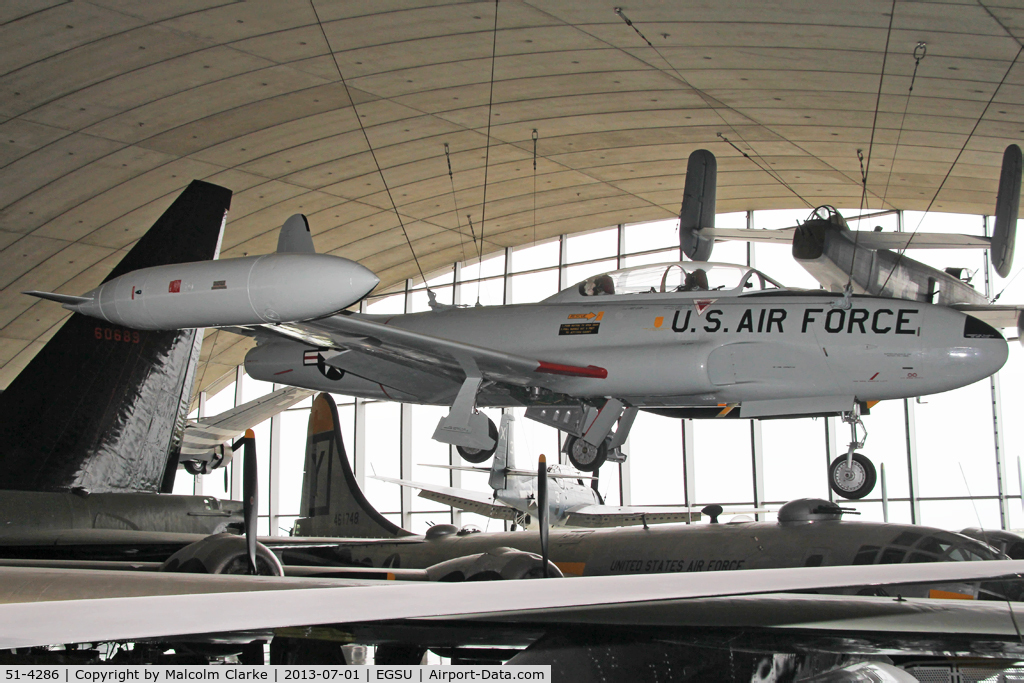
{"points": [[542, 509], [250, 490]]}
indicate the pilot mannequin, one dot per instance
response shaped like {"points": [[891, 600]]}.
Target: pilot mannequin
{"points": [[697, 281]]}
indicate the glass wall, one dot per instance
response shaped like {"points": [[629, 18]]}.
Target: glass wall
{"points": [[939, 452]]}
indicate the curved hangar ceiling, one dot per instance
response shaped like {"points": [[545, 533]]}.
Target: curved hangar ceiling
{"points": [[111, 107]]}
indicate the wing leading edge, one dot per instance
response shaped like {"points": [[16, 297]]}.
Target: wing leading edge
{"points": [[454, 359]]}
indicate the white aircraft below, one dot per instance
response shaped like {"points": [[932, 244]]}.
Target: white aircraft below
{"points": [[571, 502]]}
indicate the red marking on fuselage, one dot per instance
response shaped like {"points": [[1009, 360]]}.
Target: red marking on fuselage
{"points": [[591, 371], [874, 376], [283, 372], [385, 391]]}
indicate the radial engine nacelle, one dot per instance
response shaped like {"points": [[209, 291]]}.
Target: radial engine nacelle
{"points": [[253, 290]]}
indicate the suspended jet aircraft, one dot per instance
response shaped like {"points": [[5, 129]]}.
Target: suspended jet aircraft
{"points": [[571, 502], [652, 337], [683, 339]]}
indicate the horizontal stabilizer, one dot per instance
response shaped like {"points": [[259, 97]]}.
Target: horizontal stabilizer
{"points": [[864, 238], [203, 436], [470, 501], [516, 472], [60, 298]]}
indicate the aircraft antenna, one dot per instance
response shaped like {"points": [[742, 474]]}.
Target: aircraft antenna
{"points": [[373, 154], [949, 172], [920, 51], [455, 202]]}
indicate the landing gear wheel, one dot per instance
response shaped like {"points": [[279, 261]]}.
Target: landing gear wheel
{"points": [[479, 455], [855, 481], [195, 467], [585, 457]]}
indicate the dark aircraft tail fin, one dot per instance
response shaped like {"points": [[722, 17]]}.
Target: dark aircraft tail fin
{"points": [[698, 210], [102, 408], [1004, 234], [332, 504]]}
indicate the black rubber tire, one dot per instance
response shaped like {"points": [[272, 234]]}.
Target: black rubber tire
{"points": [[479, 455], [854, 483], [194, 467], [583, 456]]}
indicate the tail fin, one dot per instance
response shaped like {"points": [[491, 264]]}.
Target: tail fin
{"points": [[1004, 235], [504, 455], [295, 236], [332, 503], [102, 408], [698, 210]]}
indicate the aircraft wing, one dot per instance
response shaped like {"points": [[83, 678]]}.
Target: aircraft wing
{"points": [[202, 436], [996, 315], [443, 356], [600, 516], [41, 607], [470, 501]]}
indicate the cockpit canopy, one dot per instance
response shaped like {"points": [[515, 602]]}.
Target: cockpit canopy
{"points": [[828, 214], [665, 278]]}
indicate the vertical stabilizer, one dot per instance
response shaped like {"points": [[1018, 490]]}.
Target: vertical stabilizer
{"points": [[101, 407], [504, 456], [698, 210], [1004, 234], [295, 237], [332, 504]]}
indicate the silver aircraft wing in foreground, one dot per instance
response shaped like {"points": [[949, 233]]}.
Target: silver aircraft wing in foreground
{"points": [[45, 606]]}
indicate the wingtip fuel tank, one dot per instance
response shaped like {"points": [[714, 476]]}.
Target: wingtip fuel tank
{"points": [[253, 290]]}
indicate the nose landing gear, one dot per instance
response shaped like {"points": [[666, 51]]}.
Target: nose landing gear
{"points": [[852, 475]]}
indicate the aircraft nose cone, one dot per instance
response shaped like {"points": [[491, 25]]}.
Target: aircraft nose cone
{"points": [[348, 281], [984, 349]]}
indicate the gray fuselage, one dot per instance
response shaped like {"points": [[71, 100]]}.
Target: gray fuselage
{"points": [[775, 353]]}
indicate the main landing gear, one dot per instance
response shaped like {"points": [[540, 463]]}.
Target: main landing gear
{"points": [[590, 441], [852, 475]]}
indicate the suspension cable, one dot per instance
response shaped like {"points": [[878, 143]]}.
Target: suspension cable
{"points": [[490, 103], [771, 172], [920, 52], [535, 136], [866, 168], [949, 172], [366, 137], [455, 202]]}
